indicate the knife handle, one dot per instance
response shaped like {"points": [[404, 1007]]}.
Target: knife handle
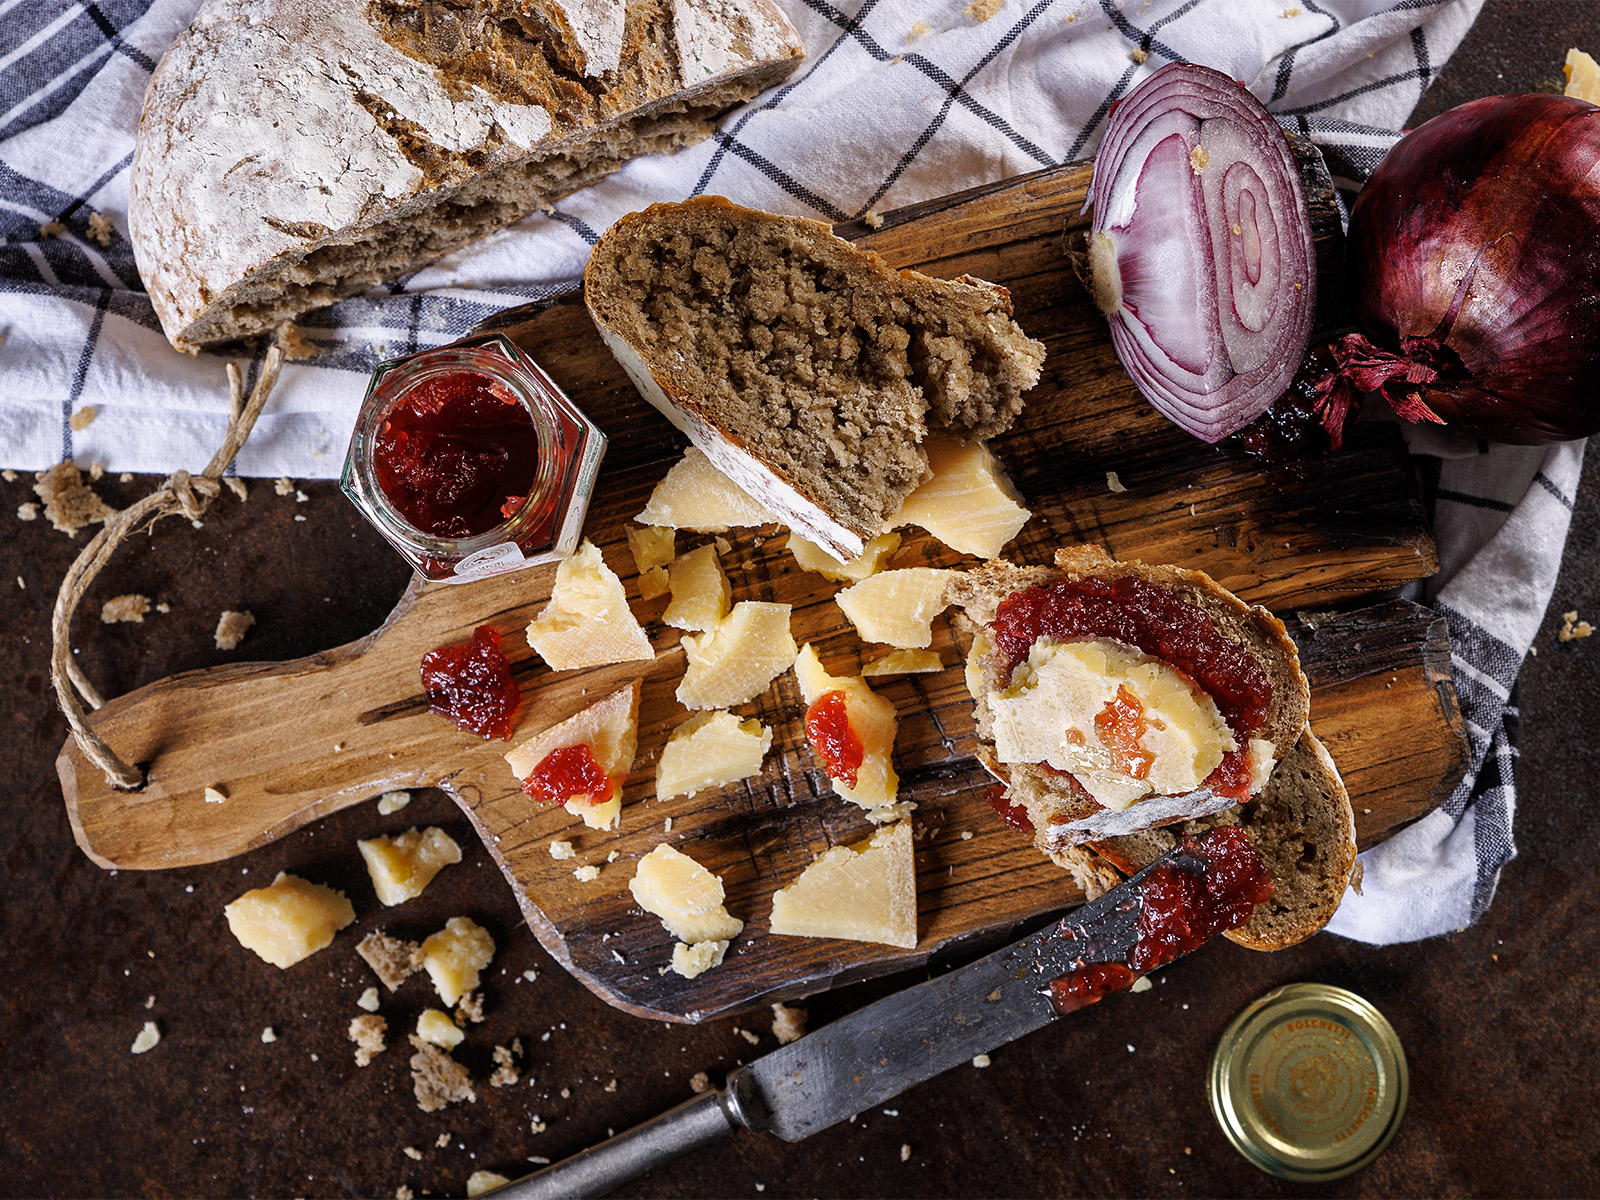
{"points": [[698, 1121]]}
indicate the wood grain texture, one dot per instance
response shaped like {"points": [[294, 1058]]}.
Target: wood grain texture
{"points": [[294, 741]]}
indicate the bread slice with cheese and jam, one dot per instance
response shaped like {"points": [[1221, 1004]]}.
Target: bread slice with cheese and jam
{"points": [[1113, 697], [806, 369]]}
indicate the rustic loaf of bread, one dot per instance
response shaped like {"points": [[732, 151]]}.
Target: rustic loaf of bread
{"points": [[807, 370], [293, 152], [1062, 813]]}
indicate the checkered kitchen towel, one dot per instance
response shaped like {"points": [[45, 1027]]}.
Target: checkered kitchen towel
{"points": [[899, 100]]}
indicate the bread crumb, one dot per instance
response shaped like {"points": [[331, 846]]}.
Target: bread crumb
{"points": [[392, 802], [560, 851], [237, 486], [215, 795], [269, 1035], [918, 29], [28, 511], [283, 486], [296, 346], [966, 835], [437, 1079], [1358, 872], [412, 1153], [84, 417], [610, 1087], [126, 608], [788, 1023], [586, 874], [100, 229], [470, 1008], [231, 628], [1139, 54], [981, 10], [699, 1082], [147, 1039], [300, 497], [392, 960], [480, 1182], [8, 475], [1572, 628], [905, 1151], [367, 1033], [125, 477], [981, 1060], [536, 1125], [505, 1064], [1141, 984], [96, 469], [69, 505], [1289, 12], [368, 1000], [873, 220], [1199, 159], [747, 1035], [52, 228], [163, 607], [531, 976], [150, 1001], [440, 1142]]}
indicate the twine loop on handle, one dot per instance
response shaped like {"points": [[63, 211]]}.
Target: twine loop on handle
{"points": [[180, 493]]}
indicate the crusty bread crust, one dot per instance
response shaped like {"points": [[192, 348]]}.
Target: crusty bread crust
{"points": [[1060, 815], [806, 369], [292, 152]]}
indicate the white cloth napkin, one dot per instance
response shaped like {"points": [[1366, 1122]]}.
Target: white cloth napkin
{"points": [[898, 101]]}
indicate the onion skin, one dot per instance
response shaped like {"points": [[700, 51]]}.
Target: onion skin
{"points": [[1475, 255]]}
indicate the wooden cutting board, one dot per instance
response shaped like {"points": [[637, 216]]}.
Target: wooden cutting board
{"points": [[291, 742]]}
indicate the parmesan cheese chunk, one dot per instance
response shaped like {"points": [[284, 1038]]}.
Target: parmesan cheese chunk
{"points": [[403, 865], [813, 557], [1583, 76], [1125, 724], [696, 960], [652, 546], [687, 897], [587, 622], [700, 592], [897, 607], [862, 893], [873, 720], [654, 583], [610, 728], [455, 955], [696, 496], [903, 662], [437, 1027], [736, 661], [970, 505], [708, 750], [289, 920]]}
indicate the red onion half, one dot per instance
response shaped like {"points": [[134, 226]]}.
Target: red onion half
{"points": [[1474, 253], [1200, 249]]}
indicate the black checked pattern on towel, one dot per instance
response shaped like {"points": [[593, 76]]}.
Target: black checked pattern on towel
{"points": [[53, 50]]}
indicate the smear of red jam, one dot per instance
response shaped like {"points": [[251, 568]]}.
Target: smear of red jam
{"points": [[835, 740], [568, 772], [1013, 815], [1178, 912], [454, 452], [1121, 725], [472, 685], [1232, 775]]}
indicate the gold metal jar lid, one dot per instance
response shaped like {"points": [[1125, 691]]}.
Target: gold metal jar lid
{"points": [[1309, 1082]]}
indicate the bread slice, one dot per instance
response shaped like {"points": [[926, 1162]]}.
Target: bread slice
{"points": [[1301, 824], [293, 152], [1062, 813], [807, 370]]}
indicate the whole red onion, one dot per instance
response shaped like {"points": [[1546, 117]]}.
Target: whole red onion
{"points": [[1474, 258]]}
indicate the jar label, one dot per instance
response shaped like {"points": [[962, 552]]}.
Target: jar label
{"points": [[492, 560]]}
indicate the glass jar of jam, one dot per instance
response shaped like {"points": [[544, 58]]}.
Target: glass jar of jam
{"points": [[471, 462]]}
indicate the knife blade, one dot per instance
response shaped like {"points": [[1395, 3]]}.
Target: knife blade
{"points": [[874, 1053]]}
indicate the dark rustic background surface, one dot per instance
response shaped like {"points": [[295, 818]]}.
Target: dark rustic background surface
{"points": [[1498, 1021]]}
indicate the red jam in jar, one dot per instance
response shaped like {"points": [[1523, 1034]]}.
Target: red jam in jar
{"points": [[835, 740], [1179, 910], [471, 462], [568, 772], [472, 685]]}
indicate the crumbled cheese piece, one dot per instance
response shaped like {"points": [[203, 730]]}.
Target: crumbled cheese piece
{"points": [[392, 960], [131, 607], [872, 719], [873, 219], [440, 1142], [470, 1008], [709, 750], [28, 511], [505, 1065], [1139, 54], [788, 1023], [737, 660], [696, 960], [688, 898], [1572, 628], [1583, 76], [897, 607], [284, 487], [981, 10], [748, 1035], [561, 850], [455, 955], [412, 1153], [8, 475], [587, 622], [905, 1152], [289, 920], [231, 628], [392, 802], [147, 1038], [610, 728], [96, 469], [368, 1032], [1141, 984], [84, 417], [437, 1027], [438, 1080], [696, 496], [403, 865], [699, 1082], [100, 229], [1113, 483], [970, 503], [980, 1060], [863, 893], [700, 592], [69, 505], [480, 1183], [813, 557], [654, 583], [586, 874], [404, 1193], [652, 546], [269, 1035], [237, 486], [368, 1000], [903, 662]]}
